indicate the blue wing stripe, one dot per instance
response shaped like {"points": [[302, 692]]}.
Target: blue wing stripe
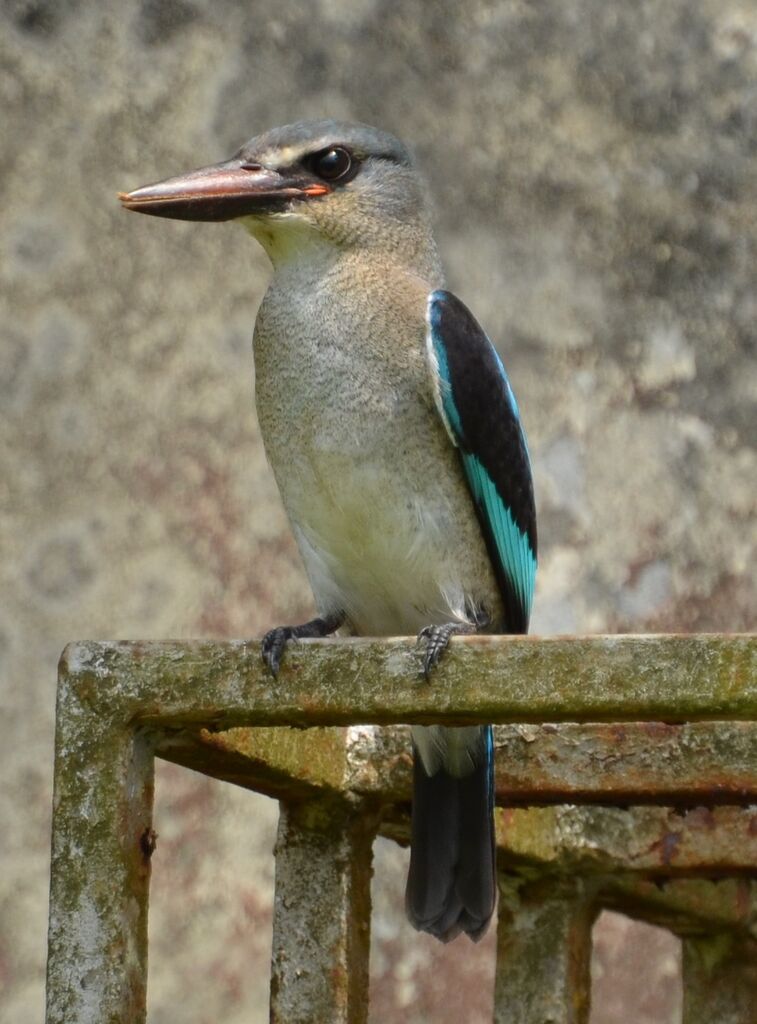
{"points": [[512, 545], [481, 415]]}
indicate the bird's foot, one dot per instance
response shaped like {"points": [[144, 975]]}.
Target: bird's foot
{"points": [[275, 640], [437, 639]]}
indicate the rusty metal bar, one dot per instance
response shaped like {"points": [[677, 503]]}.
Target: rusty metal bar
{"points": [[654, 841], [543, 953], [690, 907], [635, 762], [630, 763], [120, 703], [101, 848], [321, 925], [719, 980], [224, 684], [282, 763]]}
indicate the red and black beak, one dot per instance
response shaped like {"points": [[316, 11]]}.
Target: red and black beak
{"points": [[235, 188]]}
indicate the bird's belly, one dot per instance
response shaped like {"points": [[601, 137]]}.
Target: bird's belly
{"points": [[370, 480], [391, 547]]}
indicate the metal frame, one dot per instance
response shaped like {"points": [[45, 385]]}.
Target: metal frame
{"points": [[662, 725]]}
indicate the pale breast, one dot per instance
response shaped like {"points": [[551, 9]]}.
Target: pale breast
{"points": [[371, 483]]}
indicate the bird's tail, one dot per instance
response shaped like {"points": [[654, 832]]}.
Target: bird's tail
{"points": [[451, 886]]}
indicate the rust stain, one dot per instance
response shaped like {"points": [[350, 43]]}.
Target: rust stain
{"points": [[669, 847], [147, 843], [660, 730], [702, 817]]}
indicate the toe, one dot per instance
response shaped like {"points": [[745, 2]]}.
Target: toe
{"points": [[438, 638], [272, 649]]}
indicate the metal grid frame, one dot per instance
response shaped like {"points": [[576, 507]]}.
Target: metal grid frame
{"points": [[627, 767]]}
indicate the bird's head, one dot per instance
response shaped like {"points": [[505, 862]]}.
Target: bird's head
{"points": [[336, 182]]}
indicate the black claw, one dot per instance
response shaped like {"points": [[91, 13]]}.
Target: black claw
{"points": [[273, 646], [275, 641], [438, 638]]}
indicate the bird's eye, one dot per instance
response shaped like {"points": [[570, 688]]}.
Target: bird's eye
{"points": [[334, 164]]}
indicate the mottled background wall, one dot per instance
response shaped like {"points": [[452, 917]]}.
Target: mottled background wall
{"points": [[595, 170]]}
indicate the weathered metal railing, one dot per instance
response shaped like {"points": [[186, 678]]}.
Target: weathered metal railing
{"points": [[622, 811]]}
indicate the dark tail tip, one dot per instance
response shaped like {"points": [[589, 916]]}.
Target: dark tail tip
{"points": [[451, 885]]}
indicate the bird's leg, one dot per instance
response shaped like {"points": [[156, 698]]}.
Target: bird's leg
{"points": [[438, 637], [276, 639]]}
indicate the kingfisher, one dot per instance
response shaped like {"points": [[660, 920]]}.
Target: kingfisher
{"points": [[395, 439]]}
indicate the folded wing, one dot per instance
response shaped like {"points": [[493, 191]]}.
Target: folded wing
{"points": [[476, 403]]}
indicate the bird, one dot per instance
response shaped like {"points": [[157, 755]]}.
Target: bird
{"points": [[396, 442]]}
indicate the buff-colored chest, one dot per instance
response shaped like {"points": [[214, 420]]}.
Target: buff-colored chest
{"points": [[368, 476]]}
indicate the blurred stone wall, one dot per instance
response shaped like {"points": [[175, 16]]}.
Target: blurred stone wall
{"points": [[594, 164]]}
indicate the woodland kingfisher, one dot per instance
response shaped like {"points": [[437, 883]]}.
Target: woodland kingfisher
{"points": [[396, 442]]}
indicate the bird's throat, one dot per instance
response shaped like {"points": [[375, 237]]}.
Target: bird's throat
{"points": [[288, 238]]}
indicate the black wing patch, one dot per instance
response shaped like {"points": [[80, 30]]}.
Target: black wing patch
{"points": [[479, 410]]}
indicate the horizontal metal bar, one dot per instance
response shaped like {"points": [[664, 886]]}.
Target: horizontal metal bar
{"points": [[631, 763], [286, 764], [653, 842], [496, 679], [686, 906], [635, 762], [649, 840]]}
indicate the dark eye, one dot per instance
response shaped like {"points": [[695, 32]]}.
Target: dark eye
{"points": [[333, 164]]}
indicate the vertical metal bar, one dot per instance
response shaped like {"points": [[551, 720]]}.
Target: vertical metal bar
{"points": [[101, 847], [543, 954], [719, 980], [322, 907]]}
